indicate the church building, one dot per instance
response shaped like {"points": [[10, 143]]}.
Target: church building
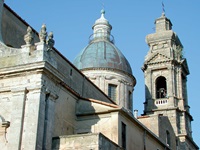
{"points": [[50, 103]]}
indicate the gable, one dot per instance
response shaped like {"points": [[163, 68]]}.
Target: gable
{"points": [[157, 58]]}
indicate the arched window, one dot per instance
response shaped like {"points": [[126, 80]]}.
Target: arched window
{"points": [[161, 87]]}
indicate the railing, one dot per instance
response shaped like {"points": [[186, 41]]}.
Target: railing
{"points": [[101, 36], [161, 102]]}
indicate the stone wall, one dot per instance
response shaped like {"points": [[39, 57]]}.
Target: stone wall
{"points": [[52, 86], [109, 122], [20, 101], [159, 125], [143, 138], [39, 89], [92, 141], [88, 120], [124, 83]]}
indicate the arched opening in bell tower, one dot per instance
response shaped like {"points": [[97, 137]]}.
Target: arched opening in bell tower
{"points": [[161, 87]]}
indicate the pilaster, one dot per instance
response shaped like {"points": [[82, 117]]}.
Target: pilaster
{"points": [[17, 118], [46, 119], [1, 13]]}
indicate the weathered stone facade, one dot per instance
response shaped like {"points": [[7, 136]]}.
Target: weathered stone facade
{"points": [[47, 103], [124, 83], [84, 142], [166, 71]]}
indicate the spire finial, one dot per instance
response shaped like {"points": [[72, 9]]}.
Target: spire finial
{"points": [[50, 41], [28, 38], [102, 14], [43, 33], [103, 11]]}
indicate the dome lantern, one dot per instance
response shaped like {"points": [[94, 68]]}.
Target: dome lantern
{"points": [[101, 28]]}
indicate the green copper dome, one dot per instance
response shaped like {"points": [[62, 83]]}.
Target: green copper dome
{"points": [[101, 53]]}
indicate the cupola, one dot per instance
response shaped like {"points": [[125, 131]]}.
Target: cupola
{"points": [[105, 65], [101, 51]]}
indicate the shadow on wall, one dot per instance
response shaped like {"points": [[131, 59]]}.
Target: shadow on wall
{"points": [[85, 120], [86, 116], [166, 131], [12, 32], [149, 103]]}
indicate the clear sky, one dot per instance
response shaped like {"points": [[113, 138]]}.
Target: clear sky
{"points": [[71, 22]]}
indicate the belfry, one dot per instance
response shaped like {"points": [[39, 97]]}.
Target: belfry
{"points": [[165, 70]]}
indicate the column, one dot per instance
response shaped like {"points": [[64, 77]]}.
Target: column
{"points": [[31, 119]]}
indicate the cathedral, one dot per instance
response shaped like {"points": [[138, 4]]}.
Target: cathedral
{"points": [[50, 103]]}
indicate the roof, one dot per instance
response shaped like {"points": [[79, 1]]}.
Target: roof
{"points": [[102, 54]]}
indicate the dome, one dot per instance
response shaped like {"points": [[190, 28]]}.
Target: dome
{"points": [[103, 55]]}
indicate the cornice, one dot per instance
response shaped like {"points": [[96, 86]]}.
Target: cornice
{"points": [[19, 69], [111, 69]]}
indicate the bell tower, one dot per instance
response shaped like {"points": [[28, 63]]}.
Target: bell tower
{"points": [[165, 71]]}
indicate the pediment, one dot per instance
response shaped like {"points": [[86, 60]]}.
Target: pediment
{"points": [[157, 58]]}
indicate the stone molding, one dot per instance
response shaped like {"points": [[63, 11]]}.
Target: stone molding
{"points": [[109, 69], [109, 77], [51, 94], [157, 37]]}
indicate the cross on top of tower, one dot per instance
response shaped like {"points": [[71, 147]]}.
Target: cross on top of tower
{"points": [[163, 8]]}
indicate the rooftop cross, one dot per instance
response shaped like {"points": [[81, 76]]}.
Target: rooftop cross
{"points": [[103, 6], [163, 8]]}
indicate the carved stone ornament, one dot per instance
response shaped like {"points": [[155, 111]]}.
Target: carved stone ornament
{"points": [[43, 33], [28, 38], [50, 41], [3, 126]]}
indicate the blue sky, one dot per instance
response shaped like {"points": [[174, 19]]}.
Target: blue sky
{"points": [[71, 22]]}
